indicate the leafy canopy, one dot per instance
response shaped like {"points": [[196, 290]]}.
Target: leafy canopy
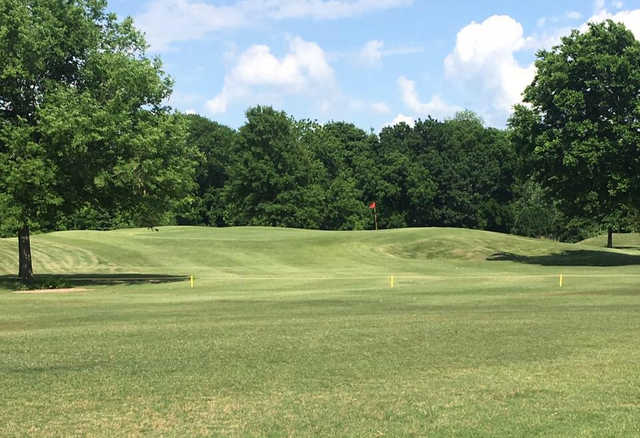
{"points": [[82, 119], [580, 137]]}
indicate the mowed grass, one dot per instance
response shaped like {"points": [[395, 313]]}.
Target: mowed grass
{"points": [[298, 333]]}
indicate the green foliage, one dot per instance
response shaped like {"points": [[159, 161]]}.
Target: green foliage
{"points": [[83, 126], [452, 173], [214, 144], [273, 178], [335, 147], [404, 185], [281, 172], [535, 213], [579, 137]]}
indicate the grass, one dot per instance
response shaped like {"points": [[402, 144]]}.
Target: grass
{"points": [[297, 333]]}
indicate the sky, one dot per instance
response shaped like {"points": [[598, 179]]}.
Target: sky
{"points": [[369, 62]]}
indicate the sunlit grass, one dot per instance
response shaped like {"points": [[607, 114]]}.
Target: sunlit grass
{"points": [[298, 333]]}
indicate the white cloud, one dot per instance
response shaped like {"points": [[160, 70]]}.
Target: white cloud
{"points": [[169, 21], [484, 57], [547, 39], [219, 103], [166, 21], [631, 19], [483, 62], [401, 118], [380, 107], [371, 53], [574, 15], [552, 37], [304, 69], [436, 107]]}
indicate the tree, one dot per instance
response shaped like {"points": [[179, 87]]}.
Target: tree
{"points": [[82, 120], [455, 173], [581, 135], [405, 186], [213, 142], [535, 215], [343, 206], [473, 166], [273, 180]]}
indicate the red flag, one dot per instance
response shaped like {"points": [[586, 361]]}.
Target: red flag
{"points": [[372, 205]]}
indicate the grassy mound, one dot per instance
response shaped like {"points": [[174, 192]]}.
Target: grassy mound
{"points": [[300, 333], [279, 252]]}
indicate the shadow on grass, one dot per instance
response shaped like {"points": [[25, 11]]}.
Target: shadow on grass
{"points": [[59, 281], [571, 258]]}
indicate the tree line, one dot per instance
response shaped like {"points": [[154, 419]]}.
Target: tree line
{"points": [[87, 142], [278, 171]]}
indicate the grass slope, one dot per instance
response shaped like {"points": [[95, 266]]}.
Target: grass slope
{"points": [[292, 332]]}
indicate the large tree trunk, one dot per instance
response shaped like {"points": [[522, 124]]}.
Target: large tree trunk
{"points": [[25, 270], [609, 238]]}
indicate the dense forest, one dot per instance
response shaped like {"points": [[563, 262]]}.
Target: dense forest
{"points": [[278, 171]]}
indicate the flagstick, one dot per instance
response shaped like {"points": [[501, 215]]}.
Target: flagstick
{"points": [[375, 217]]}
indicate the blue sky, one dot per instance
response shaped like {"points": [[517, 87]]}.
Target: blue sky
{"points": [[370, 62]]}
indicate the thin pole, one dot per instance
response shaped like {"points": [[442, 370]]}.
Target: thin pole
{"points": [[375, 217]]}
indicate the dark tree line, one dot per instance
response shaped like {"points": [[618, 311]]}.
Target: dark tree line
{"points": [[278, 171]]}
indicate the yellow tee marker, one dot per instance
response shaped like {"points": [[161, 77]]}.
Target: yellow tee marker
{"points": [[392, 281], [191, 281], [561, 280]]}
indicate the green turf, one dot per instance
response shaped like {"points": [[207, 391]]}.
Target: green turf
{"points": [[298, 333]]}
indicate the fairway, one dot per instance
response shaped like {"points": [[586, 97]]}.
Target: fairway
{"points": [[286, 332]]}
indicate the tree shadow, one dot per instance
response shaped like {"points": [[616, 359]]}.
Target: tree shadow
{"points": [[579, 257], [59, 281]]}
